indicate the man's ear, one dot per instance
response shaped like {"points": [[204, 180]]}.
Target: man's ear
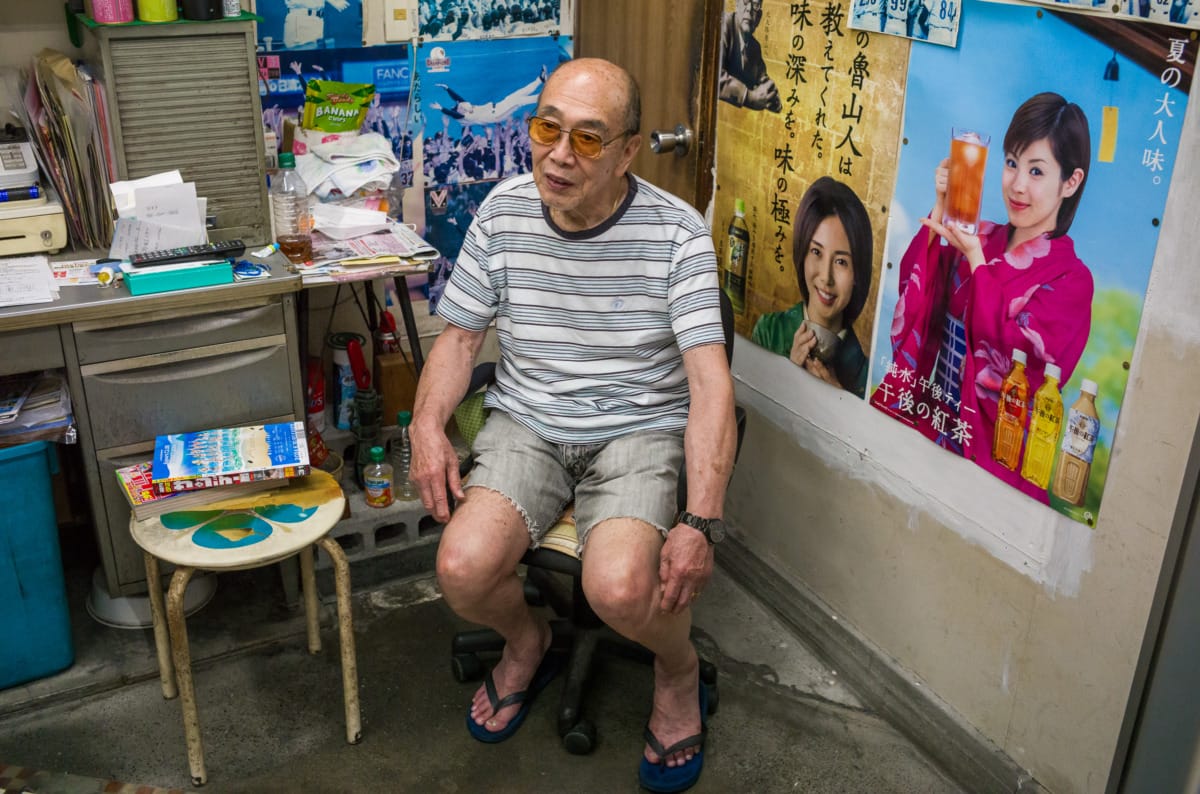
{"points": [[632, 146]]}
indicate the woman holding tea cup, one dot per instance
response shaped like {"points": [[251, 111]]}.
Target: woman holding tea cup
{"points": [[831, 251], [968, 300]]}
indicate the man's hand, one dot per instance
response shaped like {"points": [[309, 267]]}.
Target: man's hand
{"points": [[684, 568], [434, 466], [764, 96]]}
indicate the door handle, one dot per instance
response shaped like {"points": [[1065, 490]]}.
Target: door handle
{"points": [[679, 141]]}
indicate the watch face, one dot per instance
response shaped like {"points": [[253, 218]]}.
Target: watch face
{"points": [[716, 530]]}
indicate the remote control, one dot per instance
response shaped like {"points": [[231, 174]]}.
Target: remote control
{"points": [[226, 249]]}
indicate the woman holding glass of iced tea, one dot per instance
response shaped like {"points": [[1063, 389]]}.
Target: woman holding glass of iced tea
{"points": [[971, 294]]}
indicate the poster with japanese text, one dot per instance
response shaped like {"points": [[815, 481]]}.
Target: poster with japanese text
{"points": [[809, 126], [1006, 331]]}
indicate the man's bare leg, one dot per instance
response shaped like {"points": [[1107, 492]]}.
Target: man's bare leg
{"points": [[620, 579], [477, 571]]}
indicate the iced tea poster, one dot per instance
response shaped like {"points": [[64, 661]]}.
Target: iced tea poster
{"points": [[473, 114], [1006, 338], [809, 126]]}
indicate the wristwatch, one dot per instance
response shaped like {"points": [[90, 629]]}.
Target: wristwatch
{"points": [[713, 528]]}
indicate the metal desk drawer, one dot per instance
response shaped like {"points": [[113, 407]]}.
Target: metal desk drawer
{"points": [[227, 385], [109, 340], [30, 350]]}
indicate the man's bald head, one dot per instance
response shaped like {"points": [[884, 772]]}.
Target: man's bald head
{"points": [[611, 73]]}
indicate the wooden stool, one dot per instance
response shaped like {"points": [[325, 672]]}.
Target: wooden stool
{"points": [[236, 534]]}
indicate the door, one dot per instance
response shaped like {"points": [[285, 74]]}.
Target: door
{"points": [[671, 48]]}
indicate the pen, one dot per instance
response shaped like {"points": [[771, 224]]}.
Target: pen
{"points": [[20, 193]]}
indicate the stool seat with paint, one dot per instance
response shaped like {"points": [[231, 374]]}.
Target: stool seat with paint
{"points": [[236, 534]]}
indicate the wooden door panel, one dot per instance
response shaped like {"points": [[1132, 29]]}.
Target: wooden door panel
{"points": [[671, 49]]}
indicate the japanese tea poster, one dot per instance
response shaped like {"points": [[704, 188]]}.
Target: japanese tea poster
{"points": [[1006, 329], [809, 128]]}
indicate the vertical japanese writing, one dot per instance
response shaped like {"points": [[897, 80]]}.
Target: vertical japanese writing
{"points": [[1154, 155]]}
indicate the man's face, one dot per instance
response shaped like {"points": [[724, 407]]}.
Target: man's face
{"points": [[748, 15], [574, 186]]}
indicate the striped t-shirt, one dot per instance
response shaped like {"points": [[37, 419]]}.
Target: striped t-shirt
{"points": [[591, 324]]}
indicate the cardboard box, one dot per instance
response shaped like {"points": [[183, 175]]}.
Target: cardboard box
{"points": [[396, 381]]}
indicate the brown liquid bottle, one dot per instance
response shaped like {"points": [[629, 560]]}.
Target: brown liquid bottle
{"points": [[1011, 412], [1078, 447]]}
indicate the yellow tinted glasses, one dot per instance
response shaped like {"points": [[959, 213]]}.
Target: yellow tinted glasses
{"points": [[583, 142]]}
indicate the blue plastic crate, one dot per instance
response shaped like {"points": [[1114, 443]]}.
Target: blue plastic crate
{"points": [[33, 596]]}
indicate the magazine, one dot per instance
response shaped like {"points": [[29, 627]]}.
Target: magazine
{"points": [[145, 502], [229, 456]]}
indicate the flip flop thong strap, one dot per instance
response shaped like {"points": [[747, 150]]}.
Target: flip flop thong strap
{"points": [[682, 744], [489, 686]]}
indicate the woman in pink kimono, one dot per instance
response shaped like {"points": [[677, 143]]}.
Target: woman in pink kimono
{"points": [[967, 301]]}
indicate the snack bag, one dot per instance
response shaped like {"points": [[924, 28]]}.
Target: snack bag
{"points": [[331, 106]]}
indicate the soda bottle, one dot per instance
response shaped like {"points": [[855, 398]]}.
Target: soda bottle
{"points": [[377, 480], [1011, 412], [738, 256], [402, 459], [1044, 425], [289, 202], [1078, 447]]}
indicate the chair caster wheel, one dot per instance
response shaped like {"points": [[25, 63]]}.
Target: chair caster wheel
{"points": [[466, 667], [581, 739]]}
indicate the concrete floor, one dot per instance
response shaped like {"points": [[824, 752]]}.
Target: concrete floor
{"points": [[271, 714]]}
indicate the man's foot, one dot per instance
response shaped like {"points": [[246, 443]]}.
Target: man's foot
{"points": [[514, 673], [676, 712]]}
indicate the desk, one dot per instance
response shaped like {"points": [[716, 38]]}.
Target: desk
{"points": [[141, 366]]}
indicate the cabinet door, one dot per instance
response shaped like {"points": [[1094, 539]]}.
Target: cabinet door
{"points": [[30, 350], [228, 385]]}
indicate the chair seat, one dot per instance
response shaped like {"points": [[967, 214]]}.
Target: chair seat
{"points": [[246, 531]]}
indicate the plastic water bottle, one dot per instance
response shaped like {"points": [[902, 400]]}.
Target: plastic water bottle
{"points": [[377, 480], [402, 459], [293, 221]]}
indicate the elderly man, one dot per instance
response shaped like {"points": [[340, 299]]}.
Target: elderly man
{"points": [[604, 293], [743, 80]]}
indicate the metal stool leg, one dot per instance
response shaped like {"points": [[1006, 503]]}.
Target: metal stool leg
{"points": [[312, 617], [183, 672], [162, 640], [341, 569]]}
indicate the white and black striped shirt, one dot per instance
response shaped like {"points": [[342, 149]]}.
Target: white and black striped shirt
{"points": [[591, 324]]}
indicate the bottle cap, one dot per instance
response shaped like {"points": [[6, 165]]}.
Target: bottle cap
{"points": [[739, 207], [1053, 371], [404, 418], [1018, 355], [377, 454], [1089, 386], [287, 160]]}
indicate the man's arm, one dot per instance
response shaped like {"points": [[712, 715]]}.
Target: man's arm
{"points": [[442, 386], [710, 443]]}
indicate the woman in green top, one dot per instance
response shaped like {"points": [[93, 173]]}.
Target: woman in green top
{"points": [[831, 250]]}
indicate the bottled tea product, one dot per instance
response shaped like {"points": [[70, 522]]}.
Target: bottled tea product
{"points": [[402, 459], [1044, 425], [293, 221], [1078, 446], [1011, 413], [377, 480], [738, 256]]}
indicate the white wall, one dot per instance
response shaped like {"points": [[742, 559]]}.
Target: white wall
{"points": [[1026, 623]]}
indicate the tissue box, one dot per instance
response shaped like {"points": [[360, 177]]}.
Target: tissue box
{"points": [[167, 279]]}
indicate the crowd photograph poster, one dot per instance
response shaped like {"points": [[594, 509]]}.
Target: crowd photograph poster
{"points": [[1027, 210]]}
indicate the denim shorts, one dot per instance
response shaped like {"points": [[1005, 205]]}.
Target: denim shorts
{"points": [[634, 476]]}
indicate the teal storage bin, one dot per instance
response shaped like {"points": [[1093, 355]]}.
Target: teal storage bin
{"points": [[33, 596]]}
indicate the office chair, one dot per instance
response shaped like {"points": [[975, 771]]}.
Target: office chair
{"points": [[577, 628]]}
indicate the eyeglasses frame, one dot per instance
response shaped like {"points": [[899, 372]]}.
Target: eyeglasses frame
{"points": [[561, 130]]}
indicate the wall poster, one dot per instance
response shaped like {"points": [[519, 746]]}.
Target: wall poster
{"points": [[1005, 337], [808, 125]]}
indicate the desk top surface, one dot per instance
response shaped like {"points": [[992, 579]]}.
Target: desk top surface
{"points": [[92, 302]]}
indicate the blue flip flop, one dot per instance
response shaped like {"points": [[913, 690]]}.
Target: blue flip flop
{"points": [[664, 779], [550, 667]]}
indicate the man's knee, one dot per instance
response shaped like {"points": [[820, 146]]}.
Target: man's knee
{"points": [[478, 547], [622, 587]]}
